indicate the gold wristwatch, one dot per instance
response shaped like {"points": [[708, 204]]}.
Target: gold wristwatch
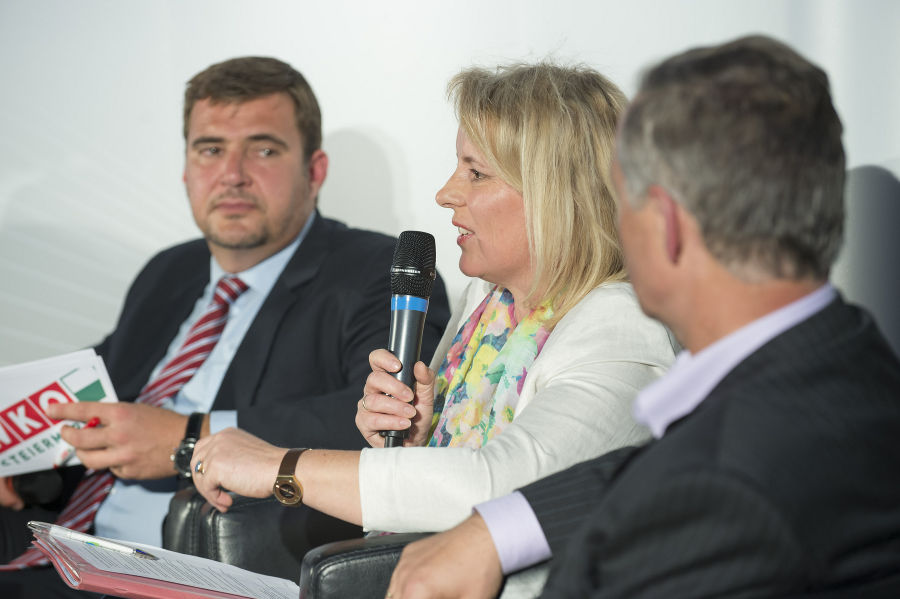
{"points": [[287, 489]]}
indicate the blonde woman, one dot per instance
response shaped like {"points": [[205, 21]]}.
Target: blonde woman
{"points": [[549, 347]]}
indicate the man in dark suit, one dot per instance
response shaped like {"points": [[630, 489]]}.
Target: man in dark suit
{"points": [[774, 471], [311, 303]]}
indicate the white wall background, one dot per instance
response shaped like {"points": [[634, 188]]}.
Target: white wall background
{"points": [[90, 114]]}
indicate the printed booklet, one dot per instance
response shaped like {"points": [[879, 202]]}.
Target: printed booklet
{"points": [[29, 439]]}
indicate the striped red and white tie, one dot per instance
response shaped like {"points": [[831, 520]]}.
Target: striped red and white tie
{"points": [[95, 485]]}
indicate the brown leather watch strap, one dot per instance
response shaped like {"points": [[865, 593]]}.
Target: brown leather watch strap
{"points": [[287, 489]]}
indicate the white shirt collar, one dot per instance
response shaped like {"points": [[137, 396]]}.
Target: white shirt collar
{"points": [[261, 277]]}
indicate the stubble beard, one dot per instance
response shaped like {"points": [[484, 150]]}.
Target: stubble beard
{"points": [[217, 227], [245, 241]]}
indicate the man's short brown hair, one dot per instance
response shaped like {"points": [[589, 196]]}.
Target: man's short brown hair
{"points": [[242, 79]]}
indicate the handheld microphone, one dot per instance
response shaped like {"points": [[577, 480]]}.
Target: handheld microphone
{"points": [[412, 278]]}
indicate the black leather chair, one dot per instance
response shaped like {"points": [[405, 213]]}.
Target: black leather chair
{"points": [[360, 568], [264, 536], [255, 534]]}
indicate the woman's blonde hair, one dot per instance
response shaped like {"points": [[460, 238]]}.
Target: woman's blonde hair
{"points": [[549, 131]]}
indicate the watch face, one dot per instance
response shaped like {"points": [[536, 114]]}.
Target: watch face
{"points": [[183, 456], [287, 492]]}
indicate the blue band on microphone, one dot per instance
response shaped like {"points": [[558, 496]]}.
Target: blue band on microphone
{"points": [[408, 302]]}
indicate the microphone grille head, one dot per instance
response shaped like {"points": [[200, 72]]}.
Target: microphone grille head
{"points": [[412, 271]]}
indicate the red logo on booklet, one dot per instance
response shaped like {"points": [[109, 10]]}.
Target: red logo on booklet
{"points": [[24, 419], [52, 393], [27, 418]]}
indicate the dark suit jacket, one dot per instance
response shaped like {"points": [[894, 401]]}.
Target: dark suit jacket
{"points": [[301, 367], [784, 481]]}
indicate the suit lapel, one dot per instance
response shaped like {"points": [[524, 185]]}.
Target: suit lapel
{"points": [[154, 327], [239, 385]]}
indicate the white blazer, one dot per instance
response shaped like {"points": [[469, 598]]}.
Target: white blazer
{"points": [[575, 405]]}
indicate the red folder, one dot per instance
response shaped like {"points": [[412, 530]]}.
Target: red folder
{"points": [[79, 573]]}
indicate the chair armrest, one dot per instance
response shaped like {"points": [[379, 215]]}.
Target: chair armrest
{"points": [[360, 568], [181, 528], [255, 534]]}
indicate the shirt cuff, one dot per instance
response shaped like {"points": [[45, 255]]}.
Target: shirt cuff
{"points": [[516, 532], [222, 419]]}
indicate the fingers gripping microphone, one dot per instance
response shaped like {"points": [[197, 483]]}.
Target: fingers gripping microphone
{"points": [[412, 278]]}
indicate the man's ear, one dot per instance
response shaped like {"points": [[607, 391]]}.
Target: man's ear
{"points": [[318, 170], [669, 211]]}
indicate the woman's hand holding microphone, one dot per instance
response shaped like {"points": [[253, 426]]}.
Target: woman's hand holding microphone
{"points": [[388, 404]]}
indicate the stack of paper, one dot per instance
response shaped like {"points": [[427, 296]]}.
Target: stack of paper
{"points": [[29, 439], [90, 563]]}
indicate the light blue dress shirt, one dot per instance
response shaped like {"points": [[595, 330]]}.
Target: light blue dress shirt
{"points": [[135, 509]]}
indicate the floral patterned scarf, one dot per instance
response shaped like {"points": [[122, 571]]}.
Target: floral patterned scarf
{"points": [[478, 384]]}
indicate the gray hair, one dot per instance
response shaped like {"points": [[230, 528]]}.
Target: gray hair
{"points": [[745, 137]]}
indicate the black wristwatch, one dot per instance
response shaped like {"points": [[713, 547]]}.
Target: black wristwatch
{"points": [[181, 457]]}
